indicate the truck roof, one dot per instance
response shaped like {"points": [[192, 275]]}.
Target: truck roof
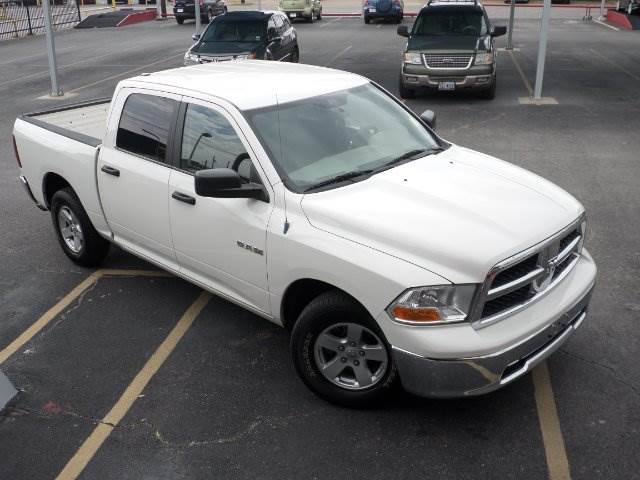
{"points": [[250, 84]]}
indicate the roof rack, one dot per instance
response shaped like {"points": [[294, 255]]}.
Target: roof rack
{"points": [[475, 2]]}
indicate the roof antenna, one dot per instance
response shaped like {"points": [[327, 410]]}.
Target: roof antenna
{"points": [[284, 188]]}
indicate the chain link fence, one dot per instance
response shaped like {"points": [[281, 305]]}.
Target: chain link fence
{"points": [[19, 18]]}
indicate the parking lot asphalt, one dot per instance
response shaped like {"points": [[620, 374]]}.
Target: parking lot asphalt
{"points": [[226, 402]]}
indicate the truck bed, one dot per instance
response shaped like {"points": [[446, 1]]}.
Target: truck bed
{"points": [[84, 122]]}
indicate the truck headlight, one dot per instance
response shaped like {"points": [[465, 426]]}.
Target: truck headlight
{"points": [[483, 59], [583, 233], [433, 305], [191, 59], [413, 58]]}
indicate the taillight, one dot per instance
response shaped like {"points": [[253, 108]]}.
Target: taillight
{"points": [[15, 150]]}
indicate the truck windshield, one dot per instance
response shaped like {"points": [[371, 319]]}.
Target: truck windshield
{"points": [[339, 137], [454, 21], [236, 31]]}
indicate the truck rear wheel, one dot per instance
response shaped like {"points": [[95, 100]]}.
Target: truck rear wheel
{"points": [[340, 352], [78, 238]]}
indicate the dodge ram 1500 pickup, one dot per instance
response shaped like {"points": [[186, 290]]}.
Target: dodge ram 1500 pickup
{"points": [[315, 199]]}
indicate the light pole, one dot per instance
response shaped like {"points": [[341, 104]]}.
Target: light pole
{"points": [[197, 8], [56, 91], [512, 12]]}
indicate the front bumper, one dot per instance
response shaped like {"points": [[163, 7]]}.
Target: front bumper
{"points": [[478, 375], [476, 82]]}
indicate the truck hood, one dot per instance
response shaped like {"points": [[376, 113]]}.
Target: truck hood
{"points": [[451, 43], [457, 213]]}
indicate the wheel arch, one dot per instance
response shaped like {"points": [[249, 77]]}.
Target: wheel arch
{"points": [[51, 183], [300, 293]]}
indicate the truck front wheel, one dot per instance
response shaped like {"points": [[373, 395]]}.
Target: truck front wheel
{"points": [[340, 352], [78, 238]]}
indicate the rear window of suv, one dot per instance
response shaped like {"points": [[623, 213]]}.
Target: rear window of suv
{"points": [[451, 21], [235, 31]]}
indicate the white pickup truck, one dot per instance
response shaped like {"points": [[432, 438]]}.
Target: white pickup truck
{"points": [[315, 199]]}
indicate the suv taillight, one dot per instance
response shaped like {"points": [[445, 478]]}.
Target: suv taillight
{"points": [[15, 150]]}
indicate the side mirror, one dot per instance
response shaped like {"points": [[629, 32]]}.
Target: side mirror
{"points": [[498, 31], [272, 35], [226, 183], [429, 117], [195, 37], [403, 31]]}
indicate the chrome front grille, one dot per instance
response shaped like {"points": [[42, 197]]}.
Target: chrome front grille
{"points": [[520, 280], [454, 61]]}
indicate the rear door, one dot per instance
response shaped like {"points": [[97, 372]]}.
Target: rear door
{"points": [[219, 242], [133, 173]]}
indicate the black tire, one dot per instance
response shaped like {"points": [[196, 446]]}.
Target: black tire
{"points": [[180, 20], [490, 93], [367, 20], [310, 19], [325, 311], [319, 16], [404, 91], [295, 56], [399, 19], [94, 248]]}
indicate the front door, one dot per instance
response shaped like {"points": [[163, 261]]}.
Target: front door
{"points": [[220, 242], [133, 174]]}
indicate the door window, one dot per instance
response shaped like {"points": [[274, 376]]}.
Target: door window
{"points": [[145, 124], [209, 141]]}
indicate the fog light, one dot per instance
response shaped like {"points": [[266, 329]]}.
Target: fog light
{"points": [[482, 79], [412, 79]]}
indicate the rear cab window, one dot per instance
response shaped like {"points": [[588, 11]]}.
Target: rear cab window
{"points": [[145, 126]]}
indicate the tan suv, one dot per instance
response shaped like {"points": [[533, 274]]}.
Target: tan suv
{"points": [[307, 9]]}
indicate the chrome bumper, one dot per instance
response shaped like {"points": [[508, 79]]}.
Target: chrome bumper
{"points": [[27, 188], [431, 81], [478, 375]]}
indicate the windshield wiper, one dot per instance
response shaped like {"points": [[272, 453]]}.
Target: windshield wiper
{"points": [[339, 178], [410, 155]]}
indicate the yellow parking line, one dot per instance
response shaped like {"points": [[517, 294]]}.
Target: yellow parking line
{"points": [[59, 307], [524, 78], [554, 449], [49, 315], [89, 448]]}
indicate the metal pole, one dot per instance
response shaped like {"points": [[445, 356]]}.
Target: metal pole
{"points": [[198, 19], [158, 10], [512, 12], [29, 19], [51, 50], [542, 49], [602, 10]]}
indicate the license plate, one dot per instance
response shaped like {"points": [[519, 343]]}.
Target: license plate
{"points": [[371, 10], [446, 85], [293, 15], [179, 10]]}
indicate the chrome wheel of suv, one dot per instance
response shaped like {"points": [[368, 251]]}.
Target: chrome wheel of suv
{"points": [[351, 356]]}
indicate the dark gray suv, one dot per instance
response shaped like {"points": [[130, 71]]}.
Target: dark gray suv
{"points": [[450, 47]]}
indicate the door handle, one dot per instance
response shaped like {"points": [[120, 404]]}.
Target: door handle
{"points": [[110, 170], [181, 197]]}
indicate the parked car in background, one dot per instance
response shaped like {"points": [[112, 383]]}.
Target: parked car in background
{"points": [[318, 201], [246, 35], [627, 6], [450, 47], [384, 9], [186, 9], [305, 9]]}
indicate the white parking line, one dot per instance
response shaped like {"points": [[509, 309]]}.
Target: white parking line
{"points": [[607, 25], [137, 69], [342, 52], [326, 24], [612, 63]]}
